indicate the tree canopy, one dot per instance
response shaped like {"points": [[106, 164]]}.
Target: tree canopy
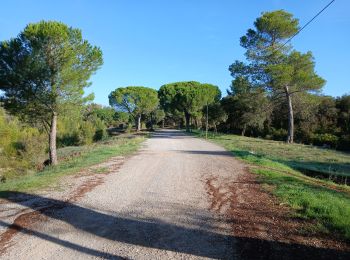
{"points": [[187, 97], [273, 65], [136, 101]]}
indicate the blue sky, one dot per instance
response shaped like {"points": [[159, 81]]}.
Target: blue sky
{"points": [[150, 43]]}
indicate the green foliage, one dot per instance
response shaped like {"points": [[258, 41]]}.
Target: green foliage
{"points": [[187, 97], [273, 67], [247, 105], [88, 156], [159, 115], [44, 70], [297, 71], [22, 148], [264, 42], [136, 101], [105, 114], [216, 115], [312, 201], [277, 134], [325, 140], [343, 106], [306, 158], [48, 64], [278, 164], [86, 133], [154, 118], [81, 127]]}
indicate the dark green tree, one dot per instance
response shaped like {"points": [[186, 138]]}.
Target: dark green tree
{"points": [[343, 106], [137, 101], [294, 74], [187, 97], [45, 69], [216, 115], [273, 65], [106, 114], [246, 105]]}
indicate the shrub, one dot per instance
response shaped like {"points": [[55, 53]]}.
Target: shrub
{"points": [[22, 148], [100, 130], [86, 133], [325, 139], [277, 134], [33, 147]]}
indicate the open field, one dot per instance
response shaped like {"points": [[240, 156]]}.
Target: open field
{"points": [[74, 159], [321, 200]]}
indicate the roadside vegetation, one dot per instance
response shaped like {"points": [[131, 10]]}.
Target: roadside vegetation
{"points": [[277, 164], [49, 127], [73, 159]]}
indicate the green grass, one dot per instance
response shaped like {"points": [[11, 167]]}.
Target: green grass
{"points": [[300, 157], [276, 164], [87, 156], [329, 207]]}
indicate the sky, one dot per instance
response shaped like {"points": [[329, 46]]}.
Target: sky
{"points": [[154, 42]]}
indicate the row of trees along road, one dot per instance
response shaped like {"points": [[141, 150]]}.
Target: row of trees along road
{"points": [[181, 98], [44, 71]]}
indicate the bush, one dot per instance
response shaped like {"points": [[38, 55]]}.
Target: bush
{"points": [[277, 134], [325, 140], [22, 148], [68, 139], [100, 130], [33, 147], [86, 133]]}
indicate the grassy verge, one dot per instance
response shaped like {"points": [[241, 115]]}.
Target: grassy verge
{"points": [[87, 156], [321, 200]]}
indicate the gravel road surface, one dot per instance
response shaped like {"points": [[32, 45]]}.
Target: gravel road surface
{"points": [[155, 206]]}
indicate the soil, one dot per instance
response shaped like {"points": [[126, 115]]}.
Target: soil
{"points": [[264, 228]]}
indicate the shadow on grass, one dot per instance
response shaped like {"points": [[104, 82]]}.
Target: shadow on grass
{"points": [[321, 170]]}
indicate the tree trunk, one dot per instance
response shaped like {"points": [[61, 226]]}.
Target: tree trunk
{"points": [[290, 137], [243, 130], [187, 118], [52, 140], [163, 123], [138, 123], [206, 124]]}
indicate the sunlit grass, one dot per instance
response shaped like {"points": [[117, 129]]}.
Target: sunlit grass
{"points": [[87, 156], [277, 164]]}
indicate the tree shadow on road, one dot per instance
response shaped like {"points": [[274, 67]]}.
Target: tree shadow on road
{"points": [[151, 233], [157, 234]]}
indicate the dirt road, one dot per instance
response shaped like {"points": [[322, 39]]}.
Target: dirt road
{"points": [[156, 206]]}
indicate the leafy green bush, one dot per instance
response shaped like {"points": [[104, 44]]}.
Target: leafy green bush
{"points": [[100, 130], [277, 134], [325, 139], [86, 133], [22, 148], [33, 147]]}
